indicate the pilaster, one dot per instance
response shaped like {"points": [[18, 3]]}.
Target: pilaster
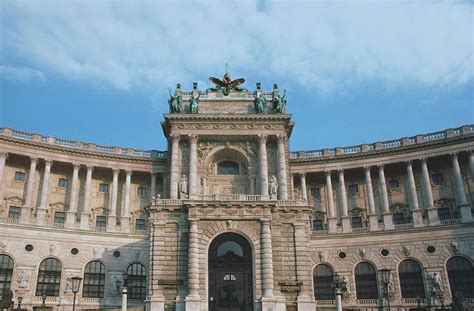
{"points": [[85, 214], [71, 212], [174, 166], [263, 165]]}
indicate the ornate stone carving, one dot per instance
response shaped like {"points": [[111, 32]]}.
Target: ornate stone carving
{"points": [[23, 279]]}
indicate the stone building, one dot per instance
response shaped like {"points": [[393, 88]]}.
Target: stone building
{"points": [[229, 219]]}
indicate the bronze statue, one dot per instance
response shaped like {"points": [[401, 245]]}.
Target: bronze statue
{"points": [[175, 101], [194, 103], [260, 103], [279, 103], [227, 84]]}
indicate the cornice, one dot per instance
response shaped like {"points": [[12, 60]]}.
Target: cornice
{"points": [[229, 117]]}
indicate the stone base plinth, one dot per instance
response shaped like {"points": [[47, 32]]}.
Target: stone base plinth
{"points": [[193, 302], [70, 219], [466, 214], [25, 214], [125, 224], [332, 221], [155, 304], [417, 218], [374, 222], [433, 216], [85, 221], [41, 216], [346, 224], [305, 303], [111, 223], [268, 304], [388, 221]]}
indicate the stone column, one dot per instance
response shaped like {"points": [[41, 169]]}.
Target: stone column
{"points": [[193, 166], [282, 176], [112, 217], [292, 187], [373, 217], [413, 197], [263, 165], [156, 299], [252, 185], [193, 299], [174, 166], [346, 220], [85, 214], [304, 192], [126, 204], [26, 208], [332, 217], [268, 298], [204, 185], [42, 208], [387, 215], [153, 176], [471, 164], [71, 212], [463, 204], [428, 194], [3, 159], [303, 265]]}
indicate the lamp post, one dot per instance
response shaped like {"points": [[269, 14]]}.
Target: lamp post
{"points": [[339, 285], [19, 302], [43, 296], [124, 291], [76, 283], [385, 273]]}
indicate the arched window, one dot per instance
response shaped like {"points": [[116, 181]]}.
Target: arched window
{"points": [[366, 281], [94, 280], [411, 279], [461, 276], [228, 168], [49, 277], [6, 272], [136, 281], [323, 279]]}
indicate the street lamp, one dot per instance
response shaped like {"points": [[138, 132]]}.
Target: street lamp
{"points": [[76, 283], [43, 296], [124, 291], [339, 285], [19, 302], [385, 273]]}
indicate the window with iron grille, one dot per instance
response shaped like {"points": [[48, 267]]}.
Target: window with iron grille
{"points": [[63, 182], [6, 272], [103, 187], [411, 279], [393, 183], [356, 222], [315, 192], [353, 188], [20, 176], [59, 217], [437, 179], [366, 281], [318, 224], [141, 191], [101, 221], [140, 224], [14, 212], [136, 281], [323, 279], [94, 280], [49, 277], [398, 218], [461, 276], [444, 213]]}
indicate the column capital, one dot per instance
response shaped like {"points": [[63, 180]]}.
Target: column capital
{"points": [[76, 165], [454, 155], [381, 167], [328, 172], [409, 162], [265, 221], [302, 174], [424, 160], [116, 171], [33, 160], [128, 172], [3, 154], [48, 161], [340, 171], [90, 167], [193, 138], [281, 138], [262, 138], [174, 137]]}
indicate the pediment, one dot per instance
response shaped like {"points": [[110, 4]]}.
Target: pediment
{"points": [[14, 200]]}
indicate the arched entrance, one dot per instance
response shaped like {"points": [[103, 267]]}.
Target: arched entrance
{"points": [[230, 274]]}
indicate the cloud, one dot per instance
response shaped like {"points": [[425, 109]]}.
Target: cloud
{"points": [[324, 45], [21, 74]]}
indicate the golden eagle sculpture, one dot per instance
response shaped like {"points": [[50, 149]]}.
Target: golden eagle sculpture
{"points": [[227, 84]]}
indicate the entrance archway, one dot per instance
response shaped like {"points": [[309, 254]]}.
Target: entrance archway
{"points": [[230, 274]]}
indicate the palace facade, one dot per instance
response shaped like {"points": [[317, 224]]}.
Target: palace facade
{"points": [[229, 219]]}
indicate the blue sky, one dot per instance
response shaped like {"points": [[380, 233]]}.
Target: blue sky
{"points": [[356, 71]]}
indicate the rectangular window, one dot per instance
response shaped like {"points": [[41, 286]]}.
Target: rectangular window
{"points": [[356, 222], [318, 224], [103, 187], [353, 188], [140, 224], [393, 183], [101, 221], [14, 212], [141, 191], [63, 182], [20, 176], [315, 192], [443, 213], [398, 218], [437, 179], [59, 217]]}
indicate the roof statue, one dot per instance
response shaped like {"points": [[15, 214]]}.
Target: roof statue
{"points": [[227, 84]]}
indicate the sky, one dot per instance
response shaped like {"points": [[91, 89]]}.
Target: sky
{"points": [[356, 71]]}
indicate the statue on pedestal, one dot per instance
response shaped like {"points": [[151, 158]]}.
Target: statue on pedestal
{"points": [[193, 103], [436, 280], [273, 186], [260, 103], [183, 187], [175, 101]]}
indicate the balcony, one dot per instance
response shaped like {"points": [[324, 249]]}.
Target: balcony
{"points": [[453, 221], [404, 226]]}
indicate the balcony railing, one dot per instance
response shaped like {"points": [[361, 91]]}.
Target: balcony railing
{"points": [[367, 301], [360, 230], [232, 197], [403, 226], [99, 229], [453, 221], [325, 302], [320, 232]]}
